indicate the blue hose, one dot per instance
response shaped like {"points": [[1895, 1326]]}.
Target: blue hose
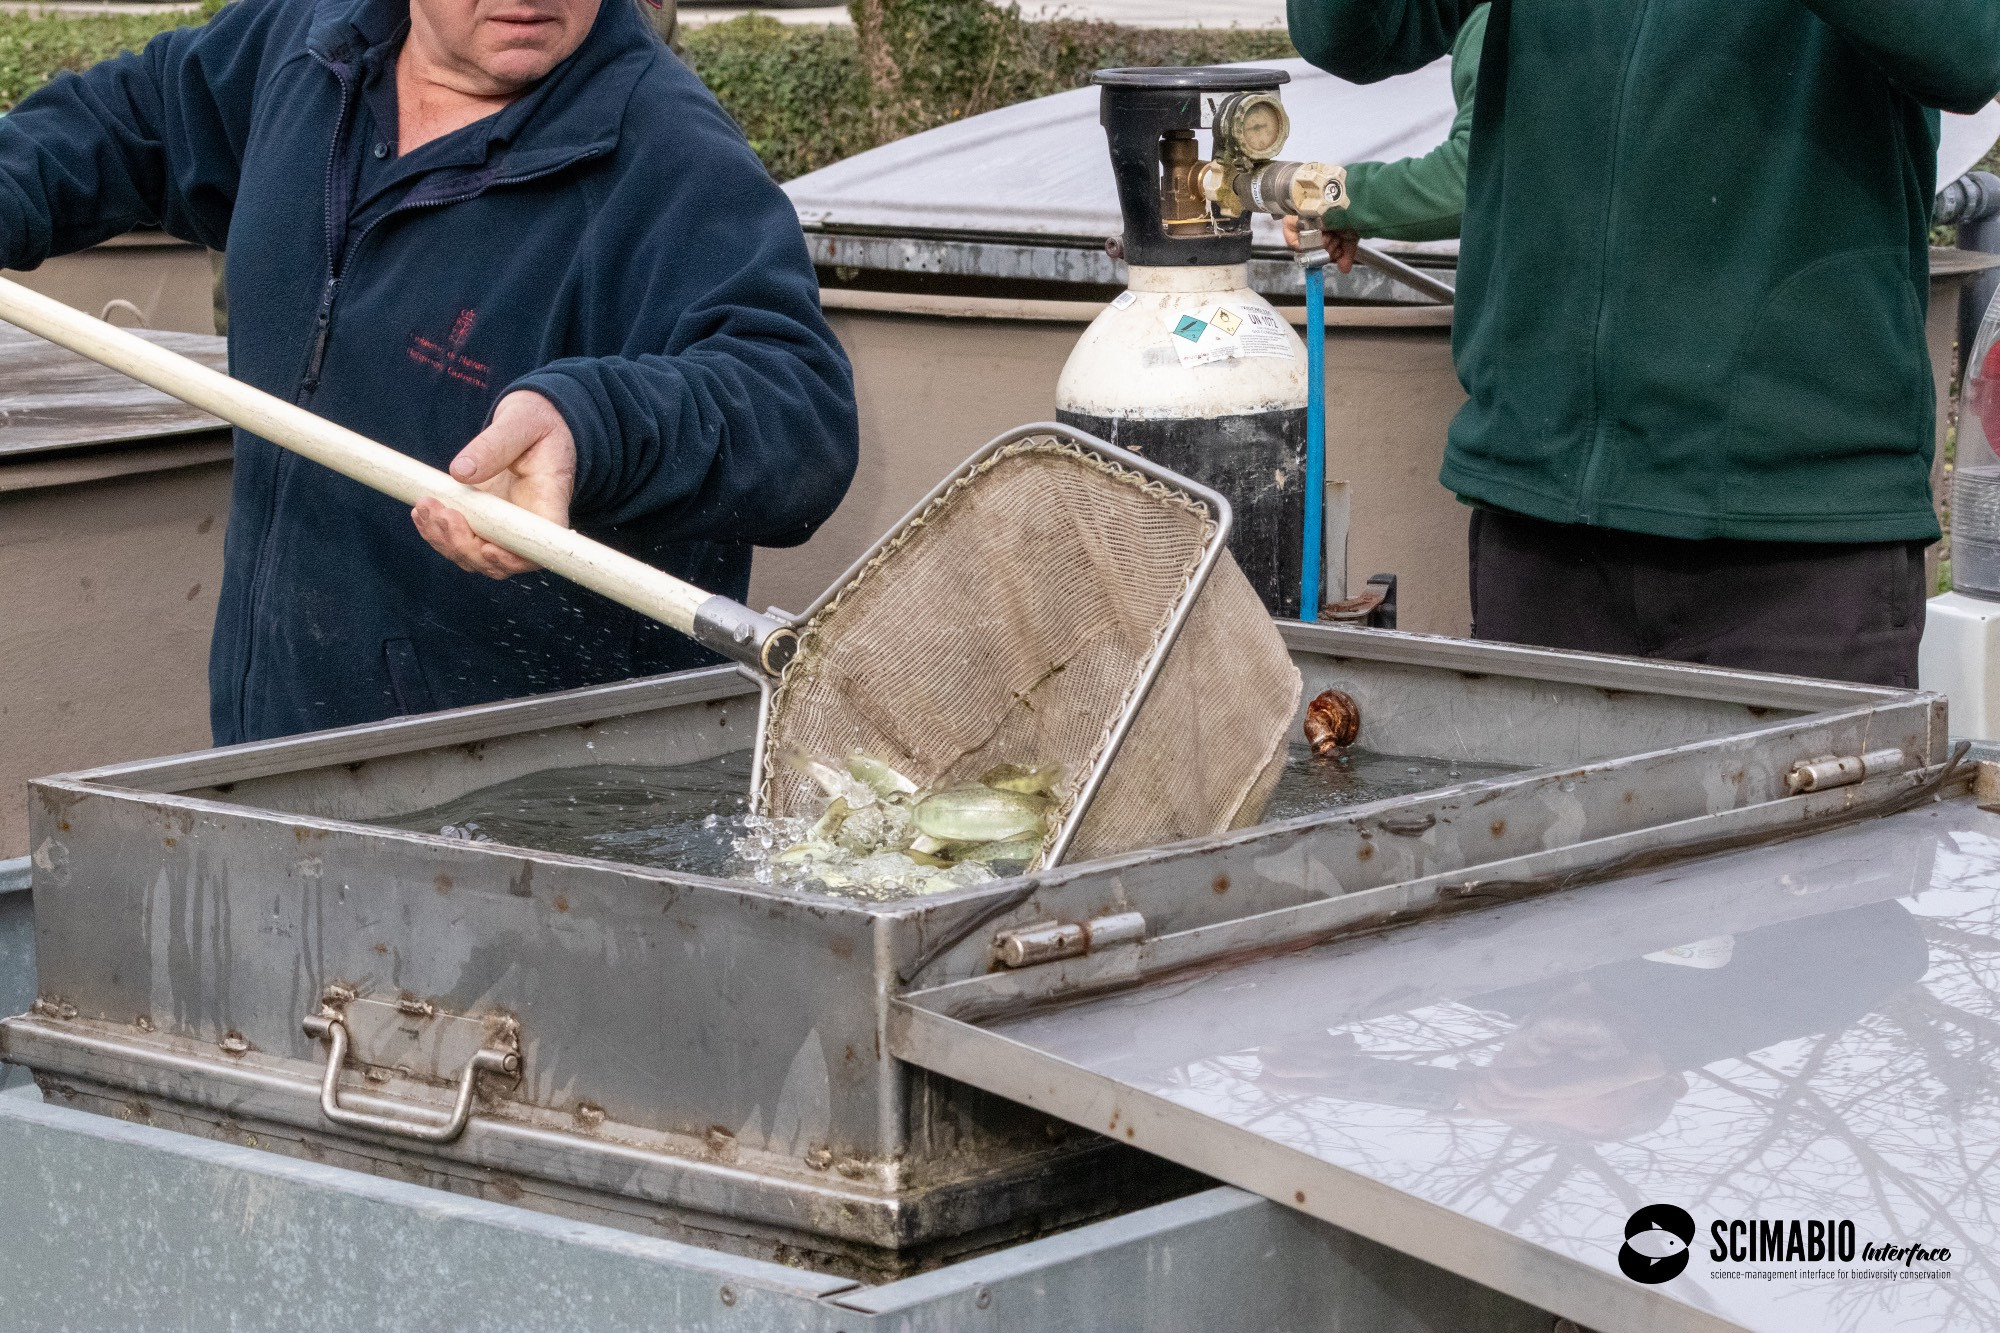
{"points": [[1314, 540]]}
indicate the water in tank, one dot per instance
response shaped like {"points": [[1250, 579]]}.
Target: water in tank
{"points": [[1975, 491]]}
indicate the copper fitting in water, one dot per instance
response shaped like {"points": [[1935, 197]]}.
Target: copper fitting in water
{"points": [[1333, 722]]}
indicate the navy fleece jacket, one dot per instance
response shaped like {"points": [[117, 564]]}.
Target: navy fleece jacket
{"points": [[608, 240]]}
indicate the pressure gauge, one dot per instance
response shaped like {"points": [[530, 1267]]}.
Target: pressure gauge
{"points": [[1251, 124]]}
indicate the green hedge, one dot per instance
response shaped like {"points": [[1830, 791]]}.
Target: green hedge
{"points": [[804, 99], [799, 91], [35, 48]]}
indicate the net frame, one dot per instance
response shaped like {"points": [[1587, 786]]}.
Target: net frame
{"points": [[1150, 484]]}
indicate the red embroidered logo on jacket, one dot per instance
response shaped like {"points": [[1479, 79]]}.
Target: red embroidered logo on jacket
{"points": [[447, 357]]}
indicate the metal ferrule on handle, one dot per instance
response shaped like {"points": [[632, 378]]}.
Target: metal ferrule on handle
{"points": [[757, 641]]}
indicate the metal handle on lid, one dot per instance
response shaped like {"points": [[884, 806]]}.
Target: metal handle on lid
{"points": [[331, 1028], [1434, 287]]}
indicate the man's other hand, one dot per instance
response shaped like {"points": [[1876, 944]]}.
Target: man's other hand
{"points": [[527, 455], [1341, 246]]}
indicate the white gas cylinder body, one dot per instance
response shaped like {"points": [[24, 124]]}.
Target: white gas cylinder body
{"points": [[1191, 368]]}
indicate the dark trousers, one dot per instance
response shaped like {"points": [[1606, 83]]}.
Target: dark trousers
{"points": [[1842, 612]]}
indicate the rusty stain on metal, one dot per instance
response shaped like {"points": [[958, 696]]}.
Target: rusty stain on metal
{"points": [[721, 1143]]}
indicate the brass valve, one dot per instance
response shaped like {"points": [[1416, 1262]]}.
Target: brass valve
{"points": [[1250, 128], [1305, 190]]}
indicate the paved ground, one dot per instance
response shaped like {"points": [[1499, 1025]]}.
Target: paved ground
{"points": [[1138, 13]]}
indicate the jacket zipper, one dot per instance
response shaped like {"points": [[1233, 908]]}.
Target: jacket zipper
{"points": [[281, 471], [1586, 494]]}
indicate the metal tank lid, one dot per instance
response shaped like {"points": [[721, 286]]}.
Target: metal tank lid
{"points": [[1039, 170]]}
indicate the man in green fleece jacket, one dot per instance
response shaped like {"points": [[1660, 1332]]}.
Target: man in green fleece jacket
{"points": [[1691, 298], [1412, 198]]}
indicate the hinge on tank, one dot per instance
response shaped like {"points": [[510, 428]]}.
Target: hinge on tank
{"points": [[1831, 770], [1047, 941]]}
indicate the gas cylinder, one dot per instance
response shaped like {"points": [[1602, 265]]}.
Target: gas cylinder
{"points": [[1189, 366], [1959, 656]]}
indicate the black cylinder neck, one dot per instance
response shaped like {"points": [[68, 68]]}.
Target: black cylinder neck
{"points": [[1150, 117]]}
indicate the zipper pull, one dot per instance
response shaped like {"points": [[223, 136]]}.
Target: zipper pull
{"points": [[320, 327]]}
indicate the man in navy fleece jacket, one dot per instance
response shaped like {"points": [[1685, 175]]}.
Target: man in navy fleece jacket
{"points": [[519, 223]]}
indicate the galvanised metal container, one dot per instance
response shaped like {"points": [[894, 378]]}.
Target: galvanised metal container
{"points": [[226, 945]]}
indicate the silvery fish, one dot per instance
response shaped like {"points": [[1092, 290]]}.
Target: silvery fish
{"points": [[833, 781], [980, 814], [1028, 779], [1015, 849], [883, 780], [1657, 1243], [829, 821]]}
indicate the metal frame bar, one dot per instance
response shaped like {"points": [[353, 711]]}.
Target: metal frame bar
{"points": [[171, 774], [1007, 993], [464, 726], [1754, 689]]}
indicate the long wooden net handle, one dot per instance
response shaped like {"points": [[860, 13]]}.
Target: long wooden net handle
{"points": [[716, 621]]}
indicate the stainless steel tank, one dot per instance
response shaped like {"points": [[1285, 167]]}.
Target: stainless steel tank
{"points": [[707, 1059]]}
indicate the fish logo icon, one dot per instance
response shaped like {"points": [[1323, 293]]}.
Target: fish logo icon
{"points": [[1656, 1244]]}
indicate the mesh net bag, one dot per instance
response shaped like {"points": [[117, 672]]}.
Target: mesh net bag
{"points": [[1018, 617]]}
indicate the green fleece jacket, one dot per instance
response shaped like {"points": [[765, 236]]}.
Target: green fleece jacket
{"points": [[1694, 267], [1421, 198]]}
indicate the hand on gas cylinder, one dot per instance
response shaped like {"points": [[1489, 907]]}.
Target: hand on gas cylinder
{"points": [[527, 455], [1341, 246]]}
